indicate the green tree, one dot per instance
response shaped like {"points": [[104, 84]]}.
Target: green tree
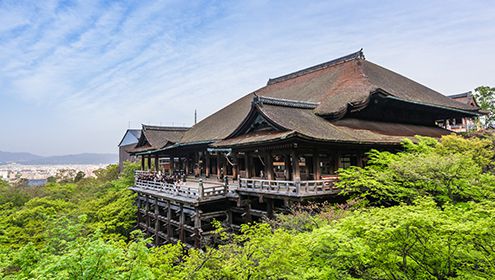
{"points": [[485, 97]]}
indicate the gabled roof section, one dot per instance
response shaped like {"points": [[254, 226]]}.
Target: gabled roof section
{"points": [[157, 137], [131, 136], [329, 90], [465, 98], [303, 123], [460, 95]]}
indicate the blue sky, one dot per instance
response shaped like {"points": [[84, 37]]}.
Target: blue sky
{"points": [[74, 74]]}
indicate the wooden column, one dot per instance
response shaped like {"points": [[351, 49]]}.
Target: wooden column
{"points": [[172, 165], [269, 165], [224, 165], [248, 161], [147, 210], [269, 208], [218, 165], [197, 229], [181, 223], [186, 162], [316, 165], [157, 163], [196, 164], [235, 168], [296, 170], [157, 222], [287, 166], [169, 219], [139, 206], [142, 162], [149, 162], [207, 164]]}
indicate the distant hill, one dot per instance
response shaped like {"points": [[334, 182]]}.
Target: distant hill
{"points": [[86, 158], [8, 157]]}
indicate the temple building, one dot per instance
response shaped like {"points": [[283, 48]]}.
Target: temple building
{"points": [[281, 144], [463, 124], [126, 145]]}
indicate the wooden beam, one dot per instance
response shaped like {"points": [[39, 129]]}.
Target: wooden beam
{"points": [[142, 162], [149, 163]]}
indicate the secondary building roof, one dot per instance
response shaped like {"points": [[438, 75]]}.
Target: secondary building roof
{"points": [[130, 137], [158, 137]]}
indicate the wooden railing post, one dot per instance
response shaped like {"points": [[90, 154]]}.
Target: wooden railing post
{"points": [[201, 189], [226, 185]]}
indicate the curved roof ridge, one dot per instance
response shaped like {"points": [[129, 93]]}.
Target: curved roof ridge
{"points": [[284, 102], [353, 56], [166, 128]]}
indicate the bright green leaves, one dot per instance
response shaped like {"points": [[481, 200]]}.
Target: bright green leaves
{"points": [[452, 170]]}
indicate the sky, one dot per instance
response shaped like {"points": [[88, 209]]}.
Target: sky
{"points": [[74, 75]]}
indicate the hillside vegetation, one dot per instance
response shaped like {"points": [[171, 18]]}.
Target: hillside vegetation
{"points": [[425, 213]]}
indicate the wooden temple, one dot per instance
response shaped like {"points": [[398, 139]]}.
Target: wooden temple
{"points": [[278, 145]]}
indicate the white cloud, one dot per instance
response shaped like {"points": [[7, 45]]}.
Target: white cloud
{"points": [[97, 66]]}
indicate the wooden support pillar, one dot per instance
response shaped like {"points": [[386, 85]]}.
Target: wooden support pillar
{"points": [[197, 229], [196, 164], [235, 168], [157, 223], [149, 162], [207, 164], [247, 163], [157, 163], [269, 165], [296, 170], [142, 162], [218, 165], [224, 165], [148, 218], [316, 165], [169, 220], [186, 162], [172, 165], [139, 207], [247, 212], [181, 223], [287, 166], [269, 208]]}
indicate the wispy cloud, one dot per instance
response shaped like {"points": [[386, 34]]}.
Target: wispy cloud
{"points": [[86, 68]]}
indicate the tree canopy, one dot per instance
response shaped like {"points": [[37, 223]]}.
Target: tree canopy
{"points": [[427, 212]]}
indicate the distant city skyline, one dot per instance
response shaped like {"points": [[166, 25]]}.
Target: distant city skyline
{"points": [[74, 75]]}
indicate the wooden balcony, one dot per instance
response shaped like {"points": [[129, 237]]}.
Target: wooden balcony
{"points": [[199, 190], [190, 191], [289, 188]]}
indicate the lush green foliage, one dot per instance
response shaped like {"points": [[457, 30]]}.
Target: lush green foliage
{"points": [[485, 97], [451, 171], [437, 224]]}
